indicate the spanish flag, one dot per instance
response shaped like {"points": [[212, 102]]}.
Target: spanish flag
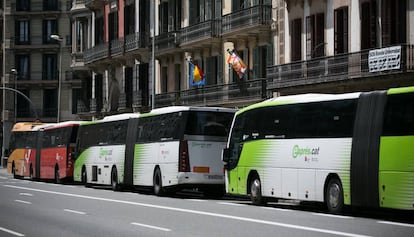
{"points": [[197, 77], [238, 65]]}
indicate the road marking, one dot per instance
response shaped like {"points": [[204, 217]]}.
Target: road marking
{"points": [[11, 232], [26, 194], [1, 177], [150, 226], [277, 209], [396, 223], [76, 212], [246, 219], [21, 201], [231, 204], [196, 200], [334, 216]]}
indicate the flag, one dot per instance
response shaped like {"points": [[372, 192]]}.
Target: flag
{"points": [[197, 77], [237, 63]]}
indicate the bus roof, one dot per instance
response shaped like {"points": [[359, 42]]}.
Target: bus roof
{"points": [[172, 109], [63, 124], [301, 98], [25, 126]]}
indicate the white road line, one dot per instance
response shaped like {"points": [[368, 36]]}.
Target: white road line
{"points": [[196, 200], [1, 177], [277, 209], [11, 232], [396, 223], [150, 226], [21, 201], [231, 204], [76, 212], [26, 194], [252, 220], [334, 216]]}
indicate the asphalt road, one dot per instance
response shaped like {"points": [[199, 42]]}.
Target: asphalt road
{"points": [[29, 208]]}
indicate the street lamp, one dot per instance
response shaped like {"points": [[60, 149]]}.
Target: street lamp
{"points": [[60, 40], [14, 73]]}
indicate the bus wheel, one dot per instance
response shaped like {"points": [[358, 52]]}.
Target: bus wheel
{"points": [[31, 172], [57, 178], [256, 191], [114, 180], [14, 171], [334, 196], [157, 183], [84, 179]]}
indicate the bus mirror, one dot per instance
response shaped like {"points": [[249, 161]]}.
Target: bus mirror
{"points": [[226, 155], [74, 155]]}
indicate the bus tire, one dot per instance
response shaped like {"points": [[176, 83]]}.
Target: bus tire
{"points": [[256, 191], [14, 171], [334, 196], [31, 172], [57, 177], [114, 180], [84, 177], [157, 183]]}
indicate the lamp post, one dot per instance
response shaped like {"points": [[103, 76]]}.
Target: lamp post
{"points": [[14, 73], [60, 40]]}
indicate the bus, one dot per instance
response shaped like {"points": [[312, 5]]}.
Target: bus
{"points": [[56, 144], [166, 149], [350, 149], [22, 149]]}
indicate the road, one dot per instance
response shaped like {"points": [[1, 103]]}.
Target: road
{"points": [[30, 208]]}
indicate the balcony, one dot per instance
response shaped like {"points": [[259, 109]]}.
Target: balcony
{"points": [[166, 43], [215, 95], [344, 67], [136, 41], [245, 22], [95, 4], [201, 35], [98, 52], [116, 47]]}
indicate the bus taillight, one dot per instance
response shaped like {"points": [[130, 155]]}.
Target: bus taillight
{"points": [[184, 161]]}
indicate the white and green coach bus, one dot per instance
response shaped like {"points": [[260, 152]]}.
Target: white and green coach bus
{"points": [[347, 149], [166, 149]]}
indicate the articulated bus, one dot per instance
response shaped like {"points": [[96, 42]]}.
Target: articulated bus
{"points": [[55, 146], [43, 151], [166, 149], [22, 149], [349, 149]]}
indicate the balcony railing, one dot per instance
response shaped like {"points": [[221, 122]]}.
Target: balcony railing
{"points": [[95, 53], [135, 41], [333, 68], [249, 17], [116, 47], [201, 31], [169, 40], [215, 94]]}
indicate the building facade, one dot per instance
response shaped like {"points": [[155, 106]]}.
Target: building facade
{"points": [[288, 46], [35, 58]]}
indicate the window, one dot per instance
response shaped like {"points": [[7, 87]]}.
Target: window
{"points": [[315, 36], [23, 66], [99, 30], [368, 25], [296, 35], [50, 5], [129, 19], [23, 106], [22, 31], [113, 26], [208, 123], [393, 19], [50, 71], [49, 28], [50, 102], [399, 115], [341, 30], [22, 5]]}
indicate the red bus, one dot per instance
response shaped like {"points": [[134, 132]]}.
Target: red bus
{"points": [[55, 144]]}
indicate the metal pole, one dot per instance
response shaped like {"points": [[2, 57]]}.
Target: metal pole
{"points": [[59, 81], [3, 147], [14, 73], [153, 56]]}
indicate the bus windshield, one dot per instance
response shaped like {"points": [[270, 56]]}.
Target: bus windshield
{"points": [[208, 123]]}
